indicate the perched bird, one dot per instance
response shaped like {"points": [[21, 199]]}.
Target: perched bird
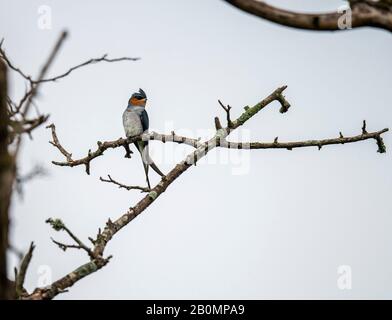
{"points": [[135, 122]]}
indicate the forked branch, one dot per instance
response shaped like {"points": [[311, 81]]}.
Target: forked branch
{"points": [[123, 186], [111, 228]]}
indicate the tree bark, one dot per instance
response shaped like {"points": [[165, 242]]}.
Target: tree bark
{"points": [[7, 174], [365, 13]]}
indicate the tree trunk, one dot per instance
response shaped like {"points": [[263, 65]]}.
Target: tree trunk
{"points": [[7, 174]]}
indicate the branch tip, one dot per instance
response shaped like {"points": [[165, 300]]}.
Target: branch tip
{"points": [[218, 125], [364, 127], [21, 275], [381, 145]]}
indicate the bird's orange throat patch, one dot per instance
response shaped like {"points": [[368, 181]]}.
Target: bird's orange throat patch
{"points": [[137, 102]]}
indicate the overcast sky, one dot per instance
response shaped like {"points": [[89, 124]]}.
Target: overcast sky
{"points": [[260, 224]]}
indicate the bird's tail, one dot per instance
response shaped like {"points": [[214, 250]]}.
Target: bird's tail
{"points": [[142, 146], [145, 166]]}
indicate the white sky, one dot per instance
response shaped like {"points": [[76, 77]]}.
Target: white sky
{"points": [[282, 225]]}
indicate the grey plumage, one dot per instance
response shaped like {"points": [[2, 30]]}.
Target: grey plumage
{"points": [[132, 121]]}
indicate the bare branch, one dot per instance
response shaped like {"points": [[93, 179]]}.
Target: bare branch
{"points": [[55, 142], [10, 65], [13, 124], [277, 95], [218, 125], [308, 143], [68, 280], [195, 143], [43, 71], [20, 180], [58, 225], [364, 13], [26, 125], [64, 246], [121, 142], [227, 110], [90, 61], [112, 228], [123, 186], [20, 278], [201, 150], [18, 111], [364, 127]]}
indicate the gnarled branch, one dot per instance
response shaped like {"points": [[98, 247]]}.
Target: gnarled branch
{"points": [[14, 122], [201, 149], [121, 142], [364, 13]]}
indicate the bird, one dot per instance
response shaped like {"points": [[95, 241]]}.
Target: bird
{"points": [[136, 122]]}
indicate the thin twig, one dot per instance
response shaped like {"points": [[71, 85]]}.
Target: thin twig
{"points": [[90, 61], [64, 246], [301, 144], [58, 225], [123, 186], [27, 125], [10, 64], [227, 110], [43, 71], [55, 142]]}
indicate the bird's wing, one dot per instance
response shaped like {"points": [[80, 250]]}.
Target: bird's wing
{"points": [[145, 121]]}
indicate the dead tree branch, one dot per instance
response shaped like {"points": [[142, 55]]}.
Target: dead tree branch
{"points": [[18, 110], [21, 274], [227, 110], [58, 225], [14, 123], [308, 143], [201, 149], [364, 13], [90, 61], [123, 186], [10, 65], [121, 142]]}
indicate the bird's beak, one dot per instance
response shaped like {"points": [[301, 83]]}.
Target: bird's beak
{"points": [[143, 101]]}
